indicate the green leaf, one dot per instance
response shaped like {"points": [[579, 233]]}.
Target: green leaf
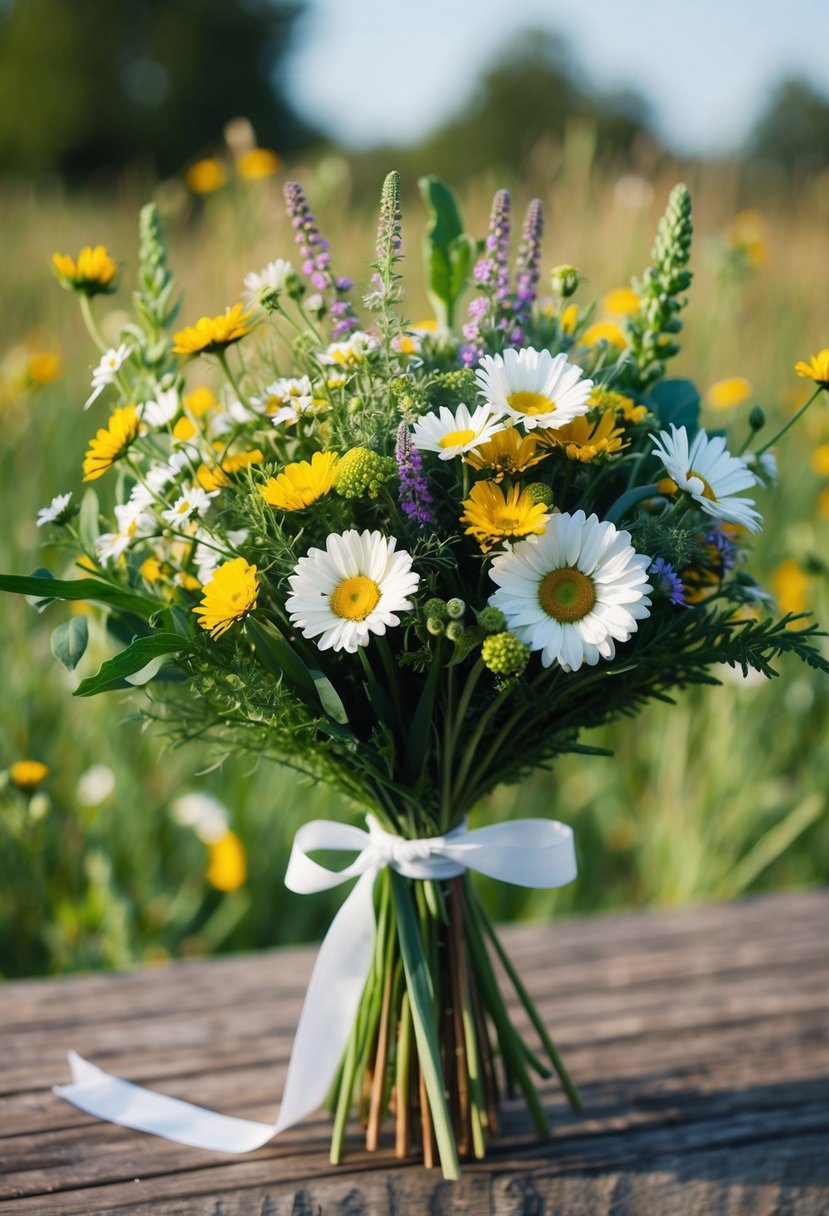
{"points": [[88, 519], [447, 250], [279, 656], [677, 402], [422, 999], [329, 697], [69, 641], [418, 742], [137, 655], [44, 587]]}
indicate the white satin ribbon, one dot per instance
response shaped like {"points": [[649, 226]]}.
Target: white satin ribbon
{"points": [[527, 852]]}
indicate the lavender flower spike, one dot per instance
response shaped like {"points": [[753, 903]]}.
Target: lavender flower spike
{"points": [[527, 266], [415, 498], [316, 262], [490, 310]]}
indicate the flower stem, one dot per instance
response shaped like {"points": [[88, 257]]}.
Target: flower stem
{"points": [[786, 426], [91, 323]]}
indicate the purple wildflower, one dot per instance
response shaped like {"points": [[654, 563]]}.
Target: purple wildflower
{"points": [[415, 498], [725, 547], [668, 582], [316, 261], [490, 310], [527, 265]]}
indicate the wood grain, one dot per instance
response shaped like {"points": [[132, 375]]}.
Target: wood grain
{"points": [[700, 1040]]}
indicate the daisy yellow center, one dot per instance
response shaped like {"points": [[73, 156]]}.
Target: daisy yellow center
{"points": [[453, 439], [354, 598], [530, 403], [566, 595], [707, 492]]}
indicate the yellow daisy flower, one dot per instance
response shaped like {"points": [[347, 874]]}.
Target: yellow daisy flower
{"points": [[625, 407], [604, 331], [201, 401], [111, 442], [507, 454], [816, 369], [228, 597], [585, 441], [27, 774], [211, 334], [43, 367], [820, 459], [228, 869], [570, 319], [301, 483], [726, 394], [93, 272], [206, 175], [621, 302], [257, 163], [494, 516], [790, 587]]}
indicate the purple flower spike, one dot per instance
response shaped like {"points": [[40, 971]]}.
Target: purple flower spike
{"points": [[415, 498], [527, 264], [316, 261], [490, 310]]}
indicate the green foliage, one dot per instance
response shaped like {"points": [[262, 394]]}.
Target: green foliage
{"points": [[793, 131], [140, 653], [69, 641], [448, 251]]}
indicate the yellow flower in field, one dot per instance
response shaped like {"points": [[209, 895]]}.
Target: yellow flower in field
{"points": [[201, 401], [111, 442], [816, 369], [188, 581], [584, 440], [823, 503], [228, 868], [43, 367], [206, 175], [237, 461], [617, 403], [257, 163], [507, 454], [621, 302], [749, 233], [820, 459], [494, 516], [228, 597], [790, 588], [211, 334], [604, 331], [151, 570], [301, 483], [570, 319], [27, 774], [93, 272], [214, 477], [726, 394], [184, 429], [210, 477]]}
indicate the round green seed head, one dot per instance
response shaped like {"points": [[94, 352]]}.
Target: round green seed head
{"points": [[455, 631], [540, 493], [434, 626], [492, 619], [455, 609], [504, 654]]}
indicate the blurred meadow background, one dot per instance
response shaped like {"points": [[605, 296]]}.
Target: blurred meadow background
{"points": [[120, 851]]}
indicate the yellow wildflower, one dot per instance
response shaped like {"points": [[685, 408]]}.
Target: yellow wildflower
{"points": [[585, 441], [200, 401], [726, 394], [211, 334], [27, 774], [823, 503], [93, 272], [494, 516], [210, 477], [206, 175], [570, 319], [228, 597], [151, 570], [816, 369], [621, 302], [507, 454], [604, 331], [257, 163], [749, 234], [214, 477], [625, 407], [301, 483], [228, 869], [43, 367], [789, 587], [184, 429], [237, 461], [820, 459], [111, 442]]}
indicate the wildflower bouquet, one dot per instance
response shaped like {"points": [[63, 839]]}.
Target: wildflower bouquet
{"points": [[413, 561]]}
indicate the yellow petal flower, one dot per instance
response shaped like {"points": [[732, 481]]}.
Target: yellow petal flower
{"points": [[585, 441], [820, 459], [206, 175], [228, 869], [816, 369], [26, 774], [621, 302], [228, 597], [494, 516], [93, 272], [604, 331], [301, 483], [790, 588], [111, 442], [507, 454], [211, 334], [257, 163], [726, 394]]}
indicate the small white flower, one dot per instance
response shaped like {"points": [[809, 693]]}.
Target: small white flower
{"points": [[534, 387], [106, 371], [133, 521], [574, 591], [95, 785], [351, 352], [763, 466], [203, 813], [162, 410], [192, 501], [207, 558], [710, 474], [451, 434], [56, 508], [271, 278], [351, 589]]}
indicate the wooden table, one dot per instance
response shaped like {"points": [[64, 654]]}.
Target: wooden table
{"points": [[700, 1039]]}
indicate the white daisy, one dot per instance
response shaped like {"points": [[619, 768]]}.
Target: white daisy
{"points": [[192, 501], [352, 588], [710, 474], [574, 591], [451, 434], [162, 410], [271, 279], [133, 521], [534, 387], [54, 513], [106, 371], [351, 352], [207, 557]]}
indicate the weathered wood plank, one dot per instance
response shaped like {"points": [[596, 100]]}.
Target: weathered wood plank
{"points": [[700, 1038]]}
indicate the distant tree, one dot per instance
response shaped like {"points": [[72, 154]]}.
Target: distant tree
{"points": [[528, 97], [92, 84], [794, 129]]}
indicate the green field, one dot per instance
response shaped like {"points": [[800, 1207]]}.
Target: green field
{"points": [[722, 794]]}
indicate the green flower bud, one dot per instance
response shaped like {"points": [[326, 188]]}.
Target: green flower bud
{"points": [[492, 619], [455, 609], [564, 280], [455, 631], [434, 626], [504, 654], [361, 472], [435, 608], [756, 418], [539, 492]]}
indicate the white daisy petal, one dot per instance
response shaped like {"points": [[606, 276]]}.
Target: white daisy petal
{"points": [[534, 387], [707, 471], [451, 434]]}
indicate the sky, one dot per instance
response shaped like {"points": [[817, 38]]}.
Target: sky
{"points": [[374, 71]]}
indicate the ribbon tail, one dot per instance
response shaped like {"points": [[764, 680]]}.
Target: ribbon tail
{"points": [[328, 1013]]}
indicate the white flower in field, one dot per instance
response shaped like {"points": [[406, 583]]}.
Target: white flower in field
{"points": [[763, 466], [351, 589], [55, 512], [271, 278], [534, 387], [192, 501], [133, 521], [451, 434], [106, 371], [574, 591], [203, 813], [162, 410], [208, 558], [95, 785], [352, 352], [707, 471]]}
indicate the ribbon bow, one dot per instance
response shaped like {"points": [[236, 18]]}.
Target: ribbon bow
{"points": [[527, 852]]}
